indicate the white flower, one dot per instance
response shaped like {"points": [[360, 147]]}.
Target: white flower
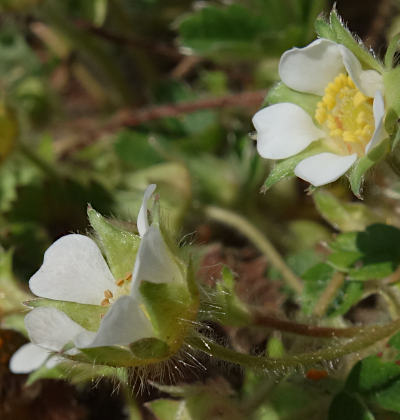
{"points": [[74, 270], [348, 119]]}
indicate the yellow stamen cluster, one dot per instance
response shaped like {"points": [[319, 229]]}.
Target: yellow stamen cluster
{"points": [[346, 115], [108, 294]]}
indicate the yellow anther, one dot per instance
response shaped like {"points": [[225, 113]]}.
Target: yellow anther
{"points": [[358, 99], [108, 294], [346, 115], [105, 302], [349, 136]]}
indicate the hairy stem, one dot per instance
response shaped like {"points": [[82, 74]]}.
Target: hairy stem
{"points": [[368, 337], [238, 222], [304, 329]]}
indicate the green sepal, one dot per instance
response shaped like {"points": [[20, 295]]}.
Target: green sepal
{"points": [[391, 121], [366, 162], [171, 308], [343, 216], [343, 36], [395, 139], [391, 83], [281, 93], [116, 356], [150, 348], [232, 311], [275, 348], [168, 409], [323, 28], [56, 372], [88, 316], [285, 168], [119, 246]]}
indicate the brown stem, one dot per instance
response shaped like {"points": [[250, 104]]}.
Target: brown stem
{"points": [[132, 117], [304, 329]]}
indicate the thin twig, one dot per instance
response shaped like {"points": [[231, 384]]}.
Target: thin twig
{"points": [[238, 222], [133, 118], [328, 294]]}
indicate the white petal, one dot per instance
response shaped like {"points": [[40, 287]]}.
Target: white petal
{"points": [[154, 262], [142, 220], [311, 68], [379, 113], [73, 270], [51, 328], [283, 130], [324, 168], [27, 358], [367, 81], [123, 324]]}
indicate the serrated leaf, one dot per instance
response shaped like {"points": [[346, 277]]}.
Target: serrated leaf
{"points": [[119, 246], [281, 93], [344, 37], [343, 216], [285, 168], [365, 163]]}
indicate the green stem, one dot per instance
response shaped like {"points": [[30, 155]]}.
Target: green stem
{"points": [[238, 222], [368, 337]]}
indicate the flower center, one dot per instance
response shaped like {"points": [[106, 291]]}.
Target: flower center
{"points": [[123, 289], [346, 115]]}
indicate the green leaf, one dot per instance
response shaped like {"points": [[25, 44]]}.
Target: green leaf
{"points": [[281, 93], [119, 246], [343, 36], [315, 282], [365, 163], [342, 260], [89, 316], [348, 407], [372, 271], [285, 168], [348, 295], [9, 131], [377, 249], [343, 216], [370, 374]]}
